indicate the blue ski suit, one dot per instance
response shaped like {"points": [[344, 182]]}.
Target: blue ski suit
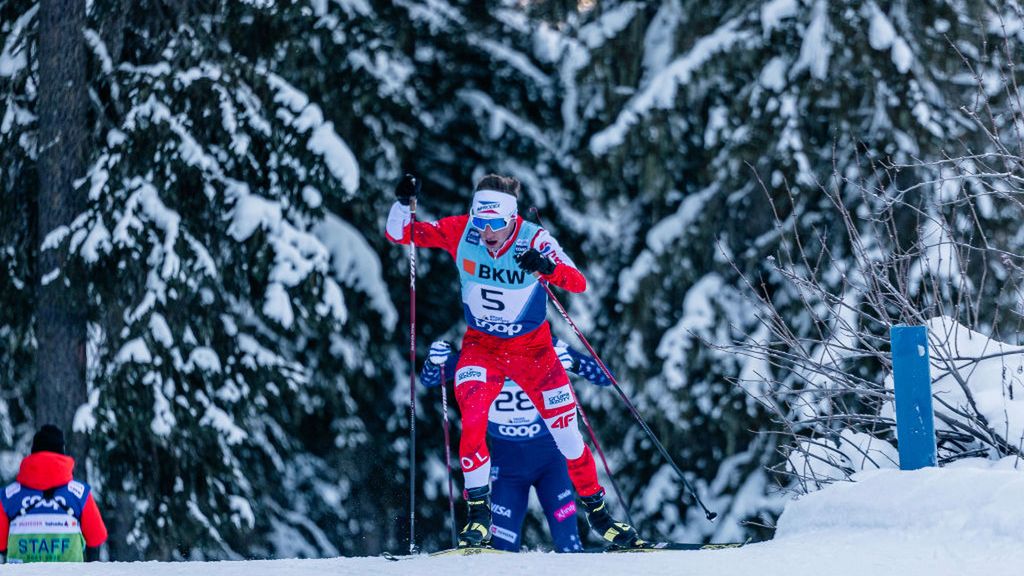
{"points": [[523, 454]]}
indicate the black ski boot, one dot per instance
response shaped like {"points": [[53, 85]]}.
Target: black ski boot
{"points": [[616, 533], [477, 531]]}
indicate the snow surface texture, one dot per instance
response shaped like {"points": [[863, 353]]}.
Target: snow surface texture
{"points": [[963, 520]]}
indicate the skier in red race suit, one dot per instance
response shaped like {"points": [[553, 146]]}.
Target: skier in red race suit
{"points": [[501, 258]]}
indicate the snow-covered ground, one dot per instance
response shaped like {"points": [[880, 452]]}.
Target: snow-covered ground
{"points": [[962, 520]]}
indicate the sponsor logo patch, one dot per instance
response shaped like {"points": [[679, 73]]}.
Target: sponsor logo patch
{"points": [[566, 512], [561, 396], [563, 421], [469, 266], [565, 494], [473, 237], [501, 510], [76, 488], [500, 274], [471, 374], [495, 328], [504, 533], [524, 431], [12, 489]]}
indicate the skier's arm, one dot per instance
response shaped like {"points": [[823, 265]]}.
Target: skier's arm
{"points": [[565, 275], [580, 364], [93, 528], [445, 233]]}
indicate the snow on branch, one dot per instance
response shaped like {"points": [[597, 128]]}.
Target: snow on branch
{"points": [[323, 140], [660, 92]]}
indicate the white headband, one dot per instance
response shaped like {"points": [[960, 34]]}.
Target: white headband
{"points": [[493, 202]]}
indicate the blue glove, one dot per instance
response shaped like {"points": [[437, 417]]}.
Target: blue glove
{"points": [[591, 370], [580, 364], [439, 352], [430, 376]]}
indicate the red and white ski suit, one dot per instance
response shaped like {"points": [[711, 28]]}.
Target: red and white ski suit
{"points": [[507, 337]]}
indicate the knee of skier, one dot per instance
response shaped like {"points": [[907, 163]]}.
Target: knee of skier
{"points": [[566, 432]]}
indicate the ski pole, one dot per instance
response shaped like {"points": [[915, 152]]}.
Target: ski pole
{"points": [[412, 376], [604, 462], [622, 394], [448, 457]]}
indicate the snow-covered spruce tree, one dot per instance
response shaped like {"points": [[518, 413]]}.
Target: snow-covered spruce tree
{"points": [[17, 232], [229, 346]]}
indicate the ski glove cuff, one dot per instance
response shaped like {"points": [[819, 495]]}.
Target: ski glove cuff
{"points": [[533, 261], [407, 189]]}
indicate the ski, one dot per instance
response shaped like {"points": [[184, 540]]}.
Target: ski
{"points": [[469, 551], [664, 546], [466, 551]]}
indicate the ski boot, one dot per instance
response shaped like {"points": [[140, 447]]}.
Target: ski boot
{"points": [[618, 534], [477, 532]]}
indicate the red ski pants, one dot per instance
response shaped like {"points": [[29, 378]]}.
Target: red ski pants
{"points": [[531, 362]]}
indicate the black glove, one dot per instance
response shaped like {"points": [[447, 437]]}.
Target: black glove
{"points": [[533, 261], [407, 189]]}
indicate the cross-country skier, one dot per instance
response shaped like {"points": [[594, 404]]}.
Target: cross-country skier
{"points": [[523, 454], [47, 516], [501, 258]]}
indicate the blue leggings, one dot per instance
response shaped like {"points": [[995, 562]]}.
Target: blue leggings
{"points": [[515, 467]]}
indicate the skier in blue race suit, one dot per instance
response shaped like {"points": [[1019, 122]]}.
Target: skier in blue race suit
{"points": [[523, 453]]}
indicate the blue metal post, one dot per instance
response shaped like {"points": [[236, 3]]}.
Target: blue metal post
{"points": [[915, 421]]}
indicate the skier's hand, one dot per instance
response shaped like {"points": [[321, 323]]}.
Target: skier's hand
{"points": [[533, 261], [407, 189], [591, 370], [567, 360], [439, 352]]}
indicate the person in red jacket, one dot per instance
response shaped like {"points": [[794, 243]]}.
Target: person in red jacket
{"points": [[47, 515], [501, 260]]}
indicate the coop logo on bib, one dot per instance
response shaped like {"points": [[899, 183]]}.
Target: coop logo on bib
{"points": [[471, 374], [557, 398]]}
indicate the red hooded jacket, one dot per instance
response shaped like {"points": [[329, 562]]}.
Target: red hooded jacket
{"points": [[45, 470]]}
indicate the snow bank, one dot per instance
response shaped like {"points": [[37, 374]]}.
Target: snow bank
{"points": [[992, 370], [964, 519], [975, 501]]}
